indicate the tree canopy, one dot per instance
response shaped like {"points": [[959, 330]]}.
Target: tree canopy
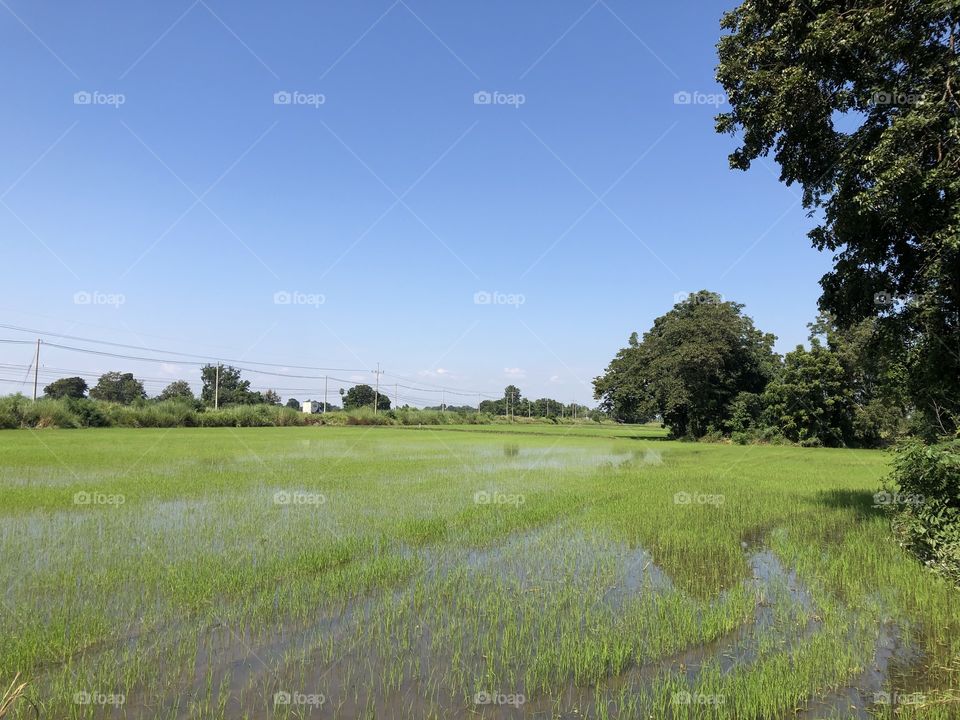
{"points": [[233, 390], [69, 387], [858, 104], [688, 367], [118, 387], [363, 396], [177, 390]]}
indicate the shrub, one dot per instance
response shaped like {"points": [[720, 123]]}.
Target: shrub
{"points": [[11, 411], [88, 413], [923, 491]]}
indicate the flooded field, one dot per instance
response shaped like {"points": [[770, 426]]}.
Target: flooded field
{"points": [[456, 573]]}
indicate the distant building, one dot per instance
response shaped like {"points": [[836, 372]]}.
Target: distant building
{"points": [[312, 406]]}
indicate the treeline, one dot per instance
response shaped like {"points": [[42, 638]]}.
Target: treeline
{"points": [[222, 386], [19, 411], [514, 404], [119, 399], [705, 371]]}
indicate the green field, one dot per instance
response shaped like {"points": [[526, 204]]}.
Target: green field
{"points": [[480, 572]]}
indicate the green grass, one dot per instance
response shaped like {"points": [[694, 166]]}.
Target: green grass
{"points": [[400, 571]]}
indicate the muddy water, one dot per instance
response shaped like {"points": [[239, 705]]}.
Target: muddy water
{"points": [[252, 667]]}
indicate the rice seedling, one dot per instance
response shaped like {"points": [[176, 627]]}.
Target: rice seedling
{"points": [[452, 571]]}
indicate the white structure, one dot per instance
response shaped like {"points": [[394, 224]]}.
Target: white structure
{"points": [[311, 406]]}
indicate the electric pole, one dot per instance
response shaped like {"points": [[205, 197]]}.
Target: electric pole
{"points": [[376, 392], [443, 401], [216, 390], [396, 393], [36, 370], [324, 394]]}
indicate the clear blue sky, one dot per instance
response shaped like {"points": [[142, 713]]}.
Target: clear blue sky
{"points": [[395, 200]]}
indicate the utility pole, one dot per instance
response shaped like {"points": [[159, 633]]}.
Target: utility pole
{"points": [[324, 394], [36, 370], [396, 393], [376, 392], [478, 403], [528, 409], [443, 400], [216, 389]]}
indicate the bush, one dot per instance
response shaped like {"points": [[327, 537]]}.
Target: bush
{"points": [[11, 411], [923, 494], [17, 411], [88, 413]]}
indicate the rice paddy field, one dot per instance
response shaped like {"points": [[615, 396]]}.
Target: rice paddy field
{"points": [[466, 572]]}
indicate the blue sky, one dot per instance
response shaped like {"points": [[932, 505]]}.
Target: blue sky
{"points": [[186, 202]]}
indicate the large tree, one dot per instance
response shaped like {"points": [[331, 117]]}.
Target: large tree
{"points": [[69, 387], [688, 367], [859, 101], [118, 387], [363, 396], [231, 389], [810, 401], [177, 390]]}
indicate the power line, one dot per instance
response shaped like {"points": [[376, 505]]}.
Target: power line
{"points": [[254, 367]]}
